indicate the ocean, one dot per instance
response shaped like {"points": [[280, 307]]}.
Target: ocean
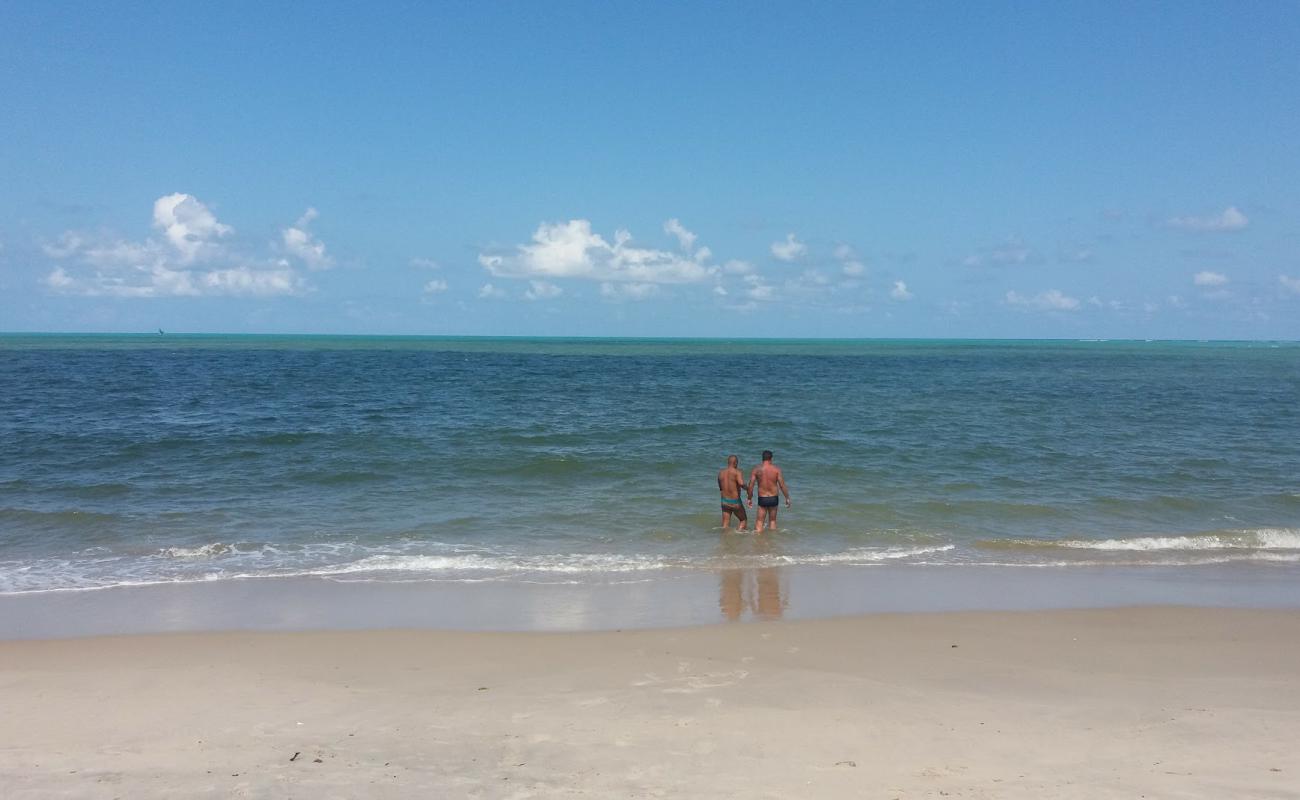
{"points": [[164, 459]]}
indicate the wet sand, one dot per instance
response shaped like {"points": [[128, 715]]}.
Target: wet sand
{"points": [[1154, 701]]}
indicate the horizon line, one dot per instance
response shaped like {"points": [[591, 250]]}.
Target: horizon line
{"points": [[588, 337]]}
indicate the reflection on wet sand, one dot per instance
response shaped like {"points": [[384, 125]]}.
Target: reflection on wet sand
{"points": [[755, 589]]}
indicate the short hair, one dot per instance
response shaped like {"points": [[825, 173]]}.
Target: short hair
{"points": [[767, 455], [733, 460]]}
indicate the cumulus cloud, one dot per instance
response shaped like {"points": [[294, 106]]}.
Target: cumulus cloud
{"points": [[900, 292], [488, 291], [1207, 278], [244, 280], [425, 263], [849, 261], [190, 227], [1050, 300], [435, 286], [758, 289], [1013, 252], [299, 242], [684, 237], [572, 250], [630, 291], [541, 290], [180, 264], [737, 267], [1230, 219], [790, 249], [1289, 283]]}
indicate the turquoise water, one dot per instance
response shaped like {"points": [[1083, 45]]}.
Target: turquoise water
{"points": [[145, 459]]}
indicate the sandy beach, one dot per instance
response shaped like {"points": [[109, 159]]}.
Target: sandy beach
{"points": [[1130, 702]]}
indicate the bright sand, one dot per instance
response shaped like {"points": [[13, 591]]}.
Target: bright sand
{"points": [[1156, 702]]}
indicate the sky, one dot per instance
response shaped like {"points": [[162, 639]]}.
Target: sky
{"points": [[1017, 170]]}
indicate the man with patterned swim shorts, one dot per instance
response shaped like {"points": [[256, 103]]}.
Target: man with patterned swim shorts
{"points": [[730, 481], [770, 480]]}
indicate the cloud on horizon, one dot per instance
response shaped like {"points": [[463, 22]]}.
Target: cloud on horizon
{"points": [[789, 250], [1230, 219], [299, 242], [1208, 278], [572, 250], [1050, 300], [1012, 252], [190, 260]]}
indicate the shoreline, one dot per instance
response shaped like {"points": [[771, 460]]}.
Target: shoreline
{"points": [[668, 599], [1094, 703]]}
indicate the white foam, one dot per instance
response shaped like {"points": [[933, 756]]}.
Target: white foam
{"points": [[204, 551], [867, 555], [1261, 539]]}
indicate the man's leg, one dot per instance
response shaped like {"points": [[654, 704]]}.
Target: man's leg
{"points": [[742, 516], [771, 517], [762, 518], [726, 518]]}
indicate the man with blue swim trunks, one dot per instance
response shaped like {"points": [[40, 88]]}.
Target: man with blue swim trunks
{"points": [[730, 482], [769, 479]]}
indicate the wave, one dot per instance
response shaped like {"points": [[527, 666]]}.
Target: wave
{"points": [[217, 561], [1256, 539]]}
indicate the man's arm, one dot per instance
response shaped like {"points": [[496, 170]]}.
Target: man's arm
{"points": [[749, 487], [785, 490]]}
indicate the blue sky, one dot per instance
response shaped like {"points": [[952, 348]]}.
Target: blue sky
{"points": [[694, 169]]}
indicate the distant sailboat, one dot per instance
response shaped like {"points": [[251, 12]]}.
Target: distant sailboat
{"points": [[160, 331]]}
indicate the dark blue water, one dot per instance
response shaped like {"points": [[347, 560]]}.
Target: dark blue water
{"points": [[144, 459]]}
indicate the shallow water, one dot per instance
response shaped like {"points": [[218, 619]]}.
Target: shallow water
{"points": [[145, 459]]}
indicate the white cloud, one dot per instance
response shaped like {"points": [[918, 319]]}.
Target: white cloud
{"points": [[849, 261], [900, 292], [435, 286], [790, 249], [69, 243], [1207, 278], [813, 278], [244, 280], [737, 267], [541, 290], [1289, 283], [1012, 252], [169, 267], [1050, 300], [425, 263], [758, 289], [489, 291], [188, 224], [630, 291], [572, 250], [301, 243], [1230, 219], [719, 291], [684, 237], [60, 280]]}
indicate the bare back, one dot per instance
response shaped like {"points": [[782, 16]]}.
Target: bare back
{"points": [[769, 479], [731, 482]]}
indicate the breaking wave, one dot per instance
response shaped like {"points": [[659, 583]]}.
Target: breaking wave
{"points": [[1260, 539]]}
